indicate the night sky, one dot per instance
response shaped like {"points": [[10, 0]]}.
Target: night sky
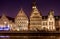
{"points": [[12, 7]]}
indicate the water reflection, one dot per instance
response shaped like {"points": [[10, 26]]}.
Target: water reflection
{"points": [[29, 37], [4, 36]]}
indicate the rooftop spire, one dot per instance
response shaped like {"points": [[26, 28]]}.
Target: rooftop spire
{"points": [[51, 12], [21, 10], [33, 3]]}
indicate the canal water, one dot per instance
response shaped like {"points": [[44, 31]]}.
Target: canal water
{"points": [[29, 37]]}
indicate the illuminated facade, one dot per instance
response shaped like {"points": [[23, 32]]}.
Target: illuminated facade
{"points": [[51, 21], [44, 24], [35, 19], [21, 21], [12, 26], [4, 23], [35, 22]]}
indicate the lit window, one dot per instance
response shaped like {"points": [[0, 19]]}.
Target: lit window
{"points": [[44, 23], [50, 18], [5, 28], [5, 22], [50, 23]]}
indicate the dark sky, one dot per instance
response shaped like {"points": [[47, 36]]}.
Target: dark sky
{"points": [[12, 7]]}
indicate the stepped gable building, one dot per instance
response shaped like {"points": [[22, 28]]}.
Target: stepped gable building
{"points": [[51, 21], [21, 21], [35, 18], [37, 21], [48, 22], [4, 20]]}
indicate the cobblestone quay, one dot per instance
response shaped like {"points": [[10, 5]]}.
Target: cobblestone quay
{"points": [[29, 33]]}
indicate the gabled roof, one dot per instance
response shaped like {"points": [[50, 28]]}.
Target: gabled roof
{"points": [[21, 14], [4, 18], [9, 18], [43, 17], [35, 12]]}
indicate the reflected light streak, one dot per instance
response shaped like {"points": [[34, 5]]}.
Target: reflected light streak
{"points": [[4, 36]]}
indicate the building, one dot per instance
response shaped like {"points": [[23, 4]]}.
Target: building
{"points": [[21, 21], [59, 23], [4, 23], [51, 21], [44, 23], [35, 22], [35, 19]]}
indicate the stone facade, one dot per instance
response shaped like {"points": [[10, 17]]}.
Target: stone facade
{"points": [[35, 19], [35, 22], [21, 21], [51, 21]]}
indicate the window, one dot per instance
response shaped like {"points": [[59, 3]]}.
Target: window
{"points": [[50, 23], [50, 18], [44, 23]]}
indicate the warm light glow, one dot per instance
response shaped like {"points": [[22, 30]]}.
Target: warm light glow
{"points": [[21, 20], [5, 22], [35, 19], [35, 22], [34, 7], [17, 29]]}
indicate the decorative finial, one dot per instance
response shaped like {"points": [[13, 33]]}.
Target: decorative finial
{"points": [[52, 12], [34, 4]]}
